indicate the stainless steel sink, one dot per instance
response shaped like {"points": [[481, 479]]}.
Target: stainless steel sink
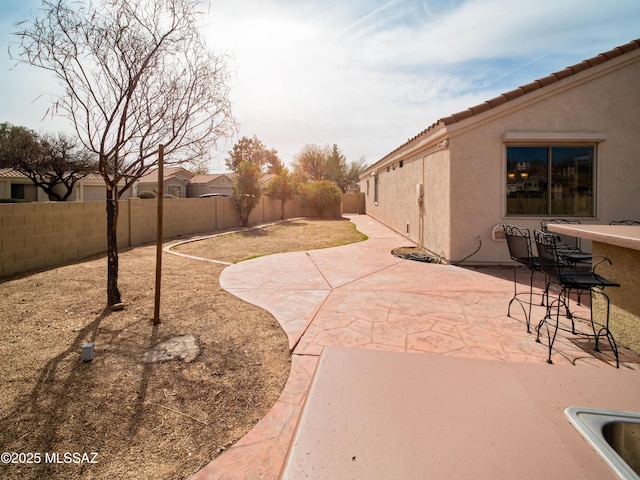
{"points": [[615, 435]]}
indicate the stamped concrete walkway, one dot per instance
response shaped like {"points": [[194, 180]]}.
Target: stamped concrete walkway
{"points": [[361, 296]]}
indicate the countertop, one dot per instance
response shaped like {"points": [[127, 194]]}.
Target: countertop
{"points": [[380, 415], [627, 236]]}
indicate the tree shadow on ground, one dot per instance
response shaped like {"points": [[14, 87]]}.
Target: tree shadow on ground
{"points": [[60, 413]]}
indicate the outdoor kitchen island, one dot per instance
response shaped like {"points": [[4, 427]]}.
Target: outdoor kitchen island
{"points": [[379, 415], [621, 245]]}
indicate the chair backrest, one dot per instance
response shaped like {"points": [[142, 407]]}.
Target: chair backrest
{"points": [[624, 222], [550, 263], [563, 240], [519, 243]]}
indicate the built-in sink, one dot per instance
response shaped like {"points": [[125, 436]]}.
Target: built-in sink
{"points": [[615, 435]]}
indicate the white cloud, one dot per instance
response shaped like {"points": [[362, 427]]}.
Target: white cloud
{"points": [[367, 75]]}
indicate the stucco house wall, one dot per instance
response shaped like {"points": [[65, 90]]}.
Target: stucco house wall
{"points": [[462, 163]]}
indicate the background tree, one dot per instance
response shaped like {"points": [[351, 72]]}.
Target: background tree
{"points": [[134, 75], [324, 163], [254, 151], [336, 165], [245, 191], [53, 163], [281, 188], [311, 163], [319, 195], [349, 174]]}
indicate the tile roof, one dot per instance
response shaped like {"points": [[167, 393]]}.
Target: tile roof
{"points": [[527, 88], [206, 178], [11, 173], [169, 172]]}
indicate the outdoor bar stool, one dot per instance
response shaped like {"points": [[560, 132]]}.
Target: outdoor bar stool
{"points": [[520, 250], [569, 248], [624, 222], [567, 245], [566, 277]]}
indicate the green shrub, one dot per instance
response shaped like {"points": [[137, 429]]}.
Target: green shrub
{"points": [[147, 194], [319, 195]]}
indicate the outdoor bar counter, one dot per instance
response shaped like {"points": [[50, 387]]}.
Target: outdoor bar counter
{"points": [[373, 415], [621, 245]]}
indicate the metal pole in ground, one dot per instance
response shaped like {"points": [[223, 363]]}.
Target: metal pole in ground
{"points": [[156, 309]]}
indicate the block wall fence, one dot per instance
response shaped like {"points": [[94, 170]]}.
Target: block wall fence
{"points": [[39, 235]]}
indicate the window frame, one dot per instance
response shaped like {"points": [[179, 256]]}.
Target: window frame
{"points": [[376, 188], [549, 146]]}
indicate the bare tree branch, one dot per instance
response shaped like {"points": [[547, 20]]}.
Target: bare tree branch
{"points": [[133, 75]]}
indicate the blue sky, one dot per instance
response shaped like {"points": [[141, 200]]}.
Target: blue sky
{"points": [[363, 74]]}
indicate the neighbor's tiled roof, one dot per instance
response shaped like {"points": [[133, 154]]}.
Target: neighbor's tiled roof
{"points": [[11, 173], [206, 178], [169, 172], [524, 89]]}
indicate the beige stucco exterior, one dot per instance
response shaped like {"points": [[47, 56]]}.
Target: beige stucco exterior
{"points": [[462, 165]]}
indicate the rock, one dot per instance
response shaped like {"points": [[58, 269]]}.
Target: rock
{"points": [[183, 348]]}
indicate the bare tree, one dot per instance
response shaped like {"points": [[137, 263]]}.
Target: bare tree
{"points": [[134, 75], [311, 163]]}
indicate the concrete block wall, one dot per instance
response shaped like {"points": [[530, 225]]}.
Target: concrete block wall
{"points": [[40, 235], [36, 235]]}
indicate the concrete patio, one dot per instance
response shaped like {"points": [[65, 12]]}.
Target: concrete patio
{"points": [[359, 296]]}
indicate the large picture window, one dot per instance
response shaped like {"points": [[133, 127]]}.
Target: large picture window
{"points": [[555, 181]]}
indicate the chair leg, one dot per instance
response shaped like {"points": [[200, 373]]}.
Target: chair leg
{"points": [[547, 318], [530, 302], [527, 316], [515, 290], [604, 329]]}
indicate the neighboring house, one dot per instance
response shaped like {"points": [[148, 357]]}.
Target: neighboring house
{"points": [[210, 183], [266, 179], [564, 146], [175, 182], [184, 184], [14, 184]]}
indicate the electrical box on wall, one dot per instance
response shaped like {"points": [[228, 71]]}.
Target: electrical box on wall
{"points": [[497, 233], [419, 190]]}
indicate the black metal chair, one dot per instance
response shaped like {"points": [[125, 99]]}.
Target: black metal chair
{"points": [[624, 222], [520, 250], [569, 246], [562, 273]]}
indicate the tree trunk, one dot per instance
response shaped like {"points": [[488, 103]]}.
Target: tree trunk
{"points": [[282, 209], [113, 293]]}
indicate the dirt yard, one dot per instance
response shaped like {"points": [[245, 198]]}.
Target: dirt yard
{"points": [[117, 417]]}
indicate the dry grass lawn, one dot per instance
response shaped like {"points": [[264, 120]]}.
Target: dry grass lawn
{"points": [[162, 420]]}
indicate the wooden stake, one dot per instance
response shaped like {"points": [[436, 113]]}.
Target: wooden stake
{"points": [[156, 309]]}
